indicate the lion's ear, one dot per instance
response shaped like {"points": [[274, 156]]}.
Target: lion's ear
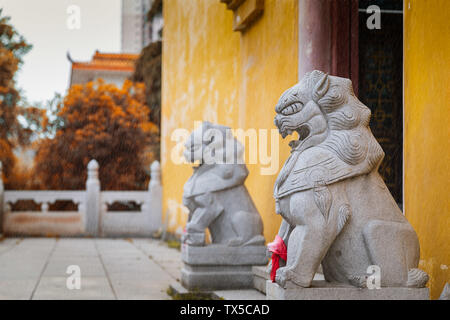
{"points": [[321, 87]]}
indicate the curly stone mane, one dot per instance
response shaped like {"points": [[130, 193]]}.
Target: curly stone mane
{"points": [[348, 119], [214, 144]]}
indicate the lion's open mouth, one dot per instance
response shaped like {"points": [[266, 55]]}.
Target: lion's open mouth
{"points": [[303, 132]]}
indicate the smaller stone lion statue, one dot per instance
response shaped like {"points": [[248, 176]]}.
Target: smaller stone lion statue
{"points": [[215, 193], [336, 208]]}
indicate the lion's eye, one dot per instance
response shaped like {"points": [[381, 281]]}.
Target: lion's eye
{"points": [[292, 108]]}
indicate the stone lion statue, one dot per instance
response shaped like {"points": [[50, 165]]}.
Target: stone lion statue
{"points": [[215, 193], [336, 209]]}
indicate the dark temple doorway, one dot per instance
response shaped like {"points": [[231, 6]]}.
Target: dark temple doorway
{"points": [[380, 56]]}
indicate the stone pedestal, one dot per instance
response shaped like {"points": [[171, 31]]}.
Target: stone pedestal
{"points": [[260, 276], [219, 267], [322, 290]]}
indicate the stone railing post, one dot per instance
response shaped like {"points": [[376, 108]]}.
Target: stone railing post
{"points": [[155, 196], [2, 189], [92, 199]]}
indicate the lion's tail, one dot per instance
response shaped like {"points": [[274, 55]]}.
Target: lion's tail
{"points": [[417, 278]]}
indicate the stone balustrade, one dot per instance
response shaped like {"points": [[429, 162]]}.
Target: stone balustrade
{"points": [[91, 217]]}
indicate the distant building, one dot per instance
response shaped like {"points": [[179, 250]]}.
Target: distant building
{"points": [[136, 30], [111, 67]]}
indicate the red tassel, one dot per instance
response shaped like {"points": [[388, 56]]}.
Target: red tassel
{"points": [[279, 251]]}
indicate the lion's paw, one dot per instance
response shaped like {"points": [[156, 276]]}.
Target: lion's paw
{"points": [[194, 239], [283, 276]]}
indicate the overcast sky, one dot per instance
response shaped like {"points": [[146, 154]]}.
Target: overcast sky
{"points": [[44, 24]]}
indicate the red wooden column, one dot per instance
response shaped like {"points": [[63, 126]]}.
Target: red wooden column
{"points": [[328, 38]]}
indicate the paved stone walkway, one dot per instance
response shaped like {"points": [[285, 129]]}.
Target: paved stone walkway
{"points": [[35, 268]]}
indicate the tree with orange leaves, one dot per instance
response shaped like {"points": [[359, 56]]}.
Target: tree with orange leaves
{"points": [[98, 121], [12, 49]]}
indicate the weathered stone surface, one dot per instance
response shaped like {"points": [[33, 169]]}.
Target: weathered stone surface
{"points": [[336, 208], [241, 294], [322, 290], [36, 268], [93, 203], [215, 193], [224, 255], [260, 276], [217, 200], [91, 216], [93, 288], [206, 278], [219, 267]]}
